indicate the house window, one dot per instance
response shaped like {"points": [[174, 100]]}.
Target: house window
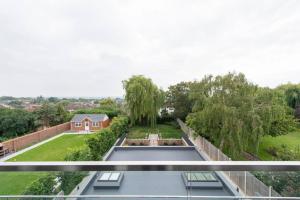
{"points": [[78, 124], [95, 124]]}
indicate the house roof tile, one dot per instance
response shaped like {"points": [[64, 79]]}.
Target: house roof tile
{"points": [[92, 117]]}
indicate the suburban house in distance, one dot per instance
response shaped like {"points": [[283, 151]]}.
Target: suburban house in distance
{"points": [[89, 122]]}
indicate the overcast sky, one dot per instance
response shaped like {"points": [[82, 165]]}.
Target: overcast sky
{"points": [[86, 48]]}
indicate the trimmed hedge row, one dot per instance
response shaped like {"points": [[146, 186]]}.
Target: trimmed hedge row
{"points": [[105, 138]]}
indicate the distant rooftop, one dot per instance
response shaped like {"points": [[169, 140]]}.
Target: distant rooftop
{"points": [[93, 117]]}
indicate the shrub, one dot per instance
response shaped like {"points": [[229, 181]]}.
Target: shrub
{"points": [[70, 179], [102, 141], [42, 186], [273, 151], [119, 125], [287, 183], [81, 154], [283, 153]]}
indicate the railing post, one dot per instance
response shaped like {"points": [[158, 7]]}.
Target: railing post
{"points": [[209, 149], [245, 182], [229, 171], [270, 191], [218, 155]]}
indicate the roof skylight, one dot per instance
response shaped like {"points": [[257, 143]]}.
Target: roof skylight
{"points": [[109, 176], [200, 177]]}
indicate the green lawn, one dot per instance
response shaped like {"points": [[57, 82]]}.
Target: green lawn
{"points": [[14, 183], [166, 131], [292, 140], [55, 150]]}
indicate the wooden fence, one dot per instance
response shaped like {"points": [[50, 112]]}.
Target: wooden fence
{"points": [[244, 180], [27, 140]]}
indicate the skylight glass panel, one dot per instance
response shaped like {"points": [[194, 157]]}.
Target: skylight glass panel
{"points": [[200, 176], [105, 176], [209, 177], [114, 176]]}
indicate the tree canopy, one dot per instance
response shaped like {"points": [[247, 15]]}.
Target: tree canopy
{"points": [[52, 114], [16, 122], [234, 113], [177, 97], [292, 96], [143, 99], [108, 102]]}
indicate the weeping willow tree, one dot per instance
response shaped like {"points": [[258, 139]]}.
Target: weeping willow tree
{"points": [[292, 96], [143, 99], [234, 114]]}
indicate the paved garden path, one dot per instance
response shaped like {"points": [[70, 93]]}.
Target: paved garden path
{"points": [[153, 139]]}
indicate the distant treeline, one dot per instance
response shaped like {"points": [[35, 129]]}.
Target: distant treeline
{"points": [[17, 122]]}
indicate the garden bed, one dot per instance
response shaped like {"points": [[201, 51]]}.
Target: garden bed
{"points": [[136, 142], [171, 142], [165, 131]]}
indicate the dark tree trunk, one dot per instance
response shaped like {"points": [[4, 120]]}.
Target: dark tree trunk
{"points": [[297, 112]]}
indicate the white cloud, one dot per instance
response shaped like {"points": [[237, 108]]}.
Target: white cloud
{"points": [[86, 48]]}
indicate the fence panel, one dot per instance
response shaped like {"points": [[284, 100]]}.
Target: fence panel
{"points": [[245, 181], [22, 142]]}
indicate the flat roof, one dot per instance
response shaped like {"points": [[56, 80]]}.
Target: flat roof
{"points": [[154, 154], [155, 182]]}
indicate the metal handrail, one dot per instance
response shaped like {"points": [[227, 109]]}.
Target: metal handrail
{"points": [[142, 196], [152, 166]]}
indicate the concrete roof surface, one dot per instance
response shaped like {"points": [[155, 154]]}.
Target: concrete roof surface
{"points": [[154, 154], [155, 182]]}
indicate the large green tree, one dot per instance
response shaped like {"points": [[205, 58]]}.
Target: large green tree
{"points": [[234, 113], [46, 114], [177, 97], [52, 114], [292, 96], [143, 99], [108, 102], [16, 122]]}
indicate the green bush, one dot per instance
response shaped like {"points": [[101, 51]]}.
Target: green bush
{"points": [[283, 153], [69, 180], [119, 125], [42, 186], [81, 154], [102, 141], [287, 183]]}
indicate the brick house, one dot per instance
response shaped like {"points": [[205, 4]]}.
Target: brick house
{"points": [[89, 122]]}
